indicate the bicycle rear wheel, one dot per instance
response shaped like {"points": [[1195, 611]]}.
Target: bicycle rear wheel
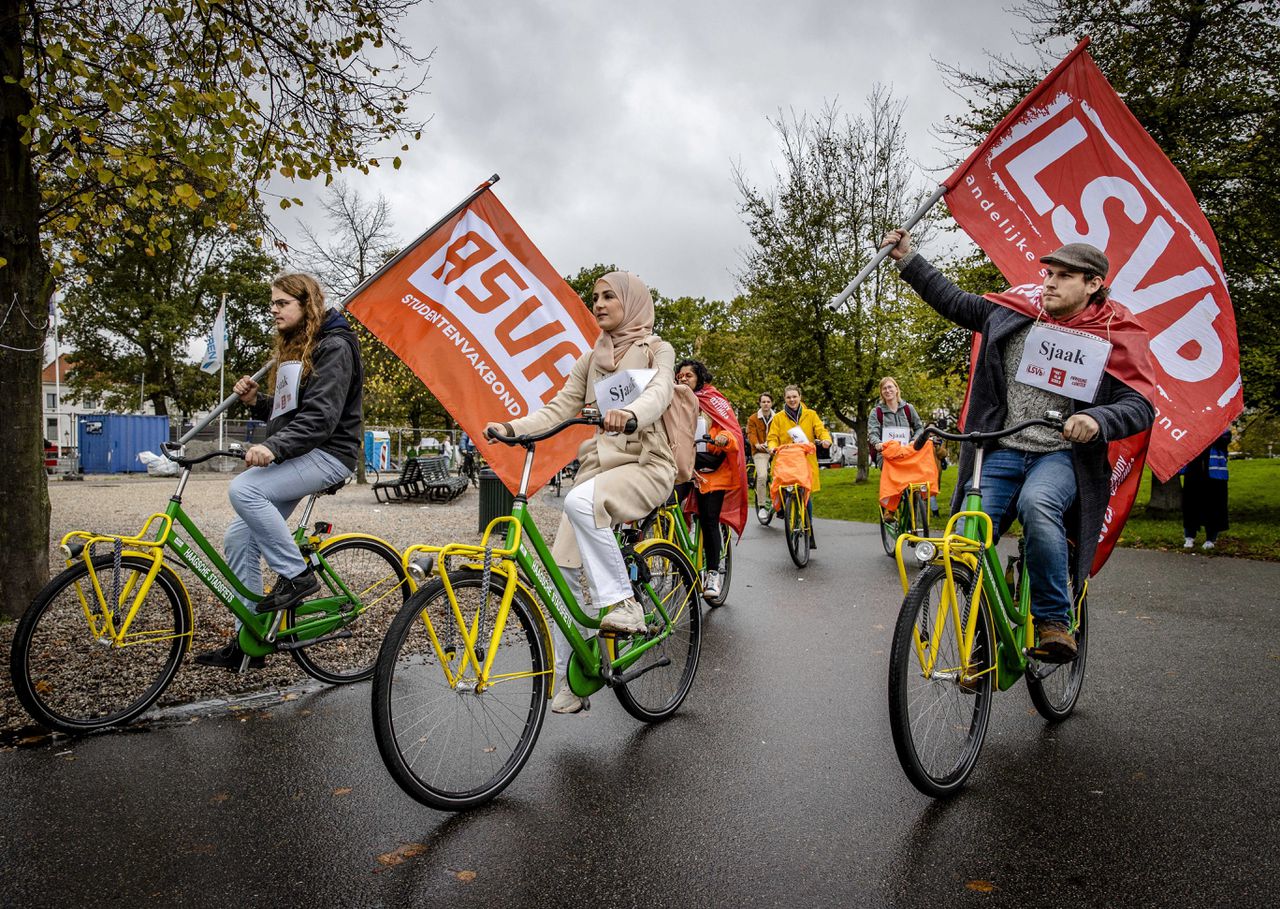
{"points": [[71, 681], [447, 742], [797, 531], [726, 567], [372, 572], [889, 531], [655, 695], [1055, 687], [939, 721]]}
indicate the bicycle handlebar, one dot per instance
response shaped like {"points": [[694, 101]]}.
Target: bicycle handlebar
{"points": [[169, 450], [530, 438], [1052, 419]]}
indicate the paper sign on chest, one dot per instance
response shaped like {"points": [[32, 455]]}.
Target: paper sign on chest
{"points": [[1063, 361], [288, 378], [621, 388]]}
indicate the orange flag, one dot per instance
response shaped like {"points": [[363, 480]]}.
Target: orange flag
{"points": [[481, 317]]}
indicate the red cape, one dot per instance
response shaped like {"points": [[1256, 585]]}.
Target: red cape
{"points": [[735, 508]]}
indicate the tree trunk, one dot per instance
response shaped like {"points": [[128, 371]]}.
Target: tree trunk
{"points": [[1166, 498], [24, 295]]}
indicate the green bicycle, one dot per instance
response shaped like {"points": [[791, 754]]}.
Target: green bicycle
{"points": [[965, 631], [103, 639], [667, 522], [911, 517], [465, 673]]}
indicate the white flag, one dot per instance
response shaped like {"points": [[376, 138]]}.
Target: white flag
{"points": [[216, 345]]}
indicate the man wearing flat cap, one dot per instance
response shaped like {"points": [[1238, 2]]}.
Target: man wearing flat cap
{"points": [[1056, 484]]}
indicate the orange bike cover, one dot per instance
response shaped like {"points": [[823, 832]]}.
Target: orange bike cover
{"points": [[790, 468], [903, 466]]}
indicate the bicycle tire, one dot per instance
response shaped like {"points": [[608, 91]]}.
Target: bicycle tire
{"points": [[375, 579], [726, 568], [920, 708], [656, 695], [1055, 688], [478, 741], [83, 674], [797, 535], [889, 533]]}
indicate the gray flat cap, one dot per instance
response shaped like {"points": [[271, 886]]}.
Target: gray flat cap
{"points": [[1080, 257]]}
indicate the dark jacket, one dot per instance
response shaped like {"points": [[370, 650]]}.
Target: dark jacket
{"points": [[1119, 410], [330, 402]]}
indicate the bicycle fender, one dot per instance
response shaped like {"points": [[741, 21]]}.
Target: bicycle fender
{"points": [[357, 536]]}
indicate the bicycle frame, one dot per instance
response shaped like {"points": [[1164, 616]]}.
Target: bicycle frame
{"points": [[672, 528], [258, 632], [969, 539], [524, 552]]}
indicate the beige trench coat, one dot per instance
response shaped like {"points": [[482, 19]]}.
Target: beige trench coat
{"points": [[634, 473]]}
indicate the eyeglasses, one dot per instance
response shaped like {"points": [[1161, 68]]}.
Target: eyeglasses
{"points": [[281, 304]]}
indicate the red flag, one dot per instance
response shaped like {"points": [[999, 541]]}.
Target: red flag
{"points": [[481, 317], [1071, 164]]}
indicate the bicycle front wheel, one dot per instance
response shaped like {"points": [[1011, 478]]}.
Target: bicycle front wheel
{"points": [[797, 530], [725, 568], [1054, 687], [655, 695], [889, 532], [939, 703], [74, 680], [449, 740], [372, 572], [920, 504]]}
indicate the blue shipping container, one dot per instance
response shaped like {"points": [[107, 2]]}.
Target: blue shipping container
{"points": [[110, 442]]}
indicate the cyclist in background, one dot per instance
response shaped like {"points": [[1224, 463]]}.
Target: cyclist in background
{"points": [[718, 491], [758, 441], [891, 418], [794, 415], [312, 442]]}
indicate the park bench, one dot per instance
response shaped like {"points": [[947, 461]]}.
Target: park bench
{"points": [[408, 485], [437, 483]]}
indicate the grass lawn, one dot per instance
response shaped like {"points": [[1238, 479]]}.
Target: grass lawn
{"points": [[1254, 498]]}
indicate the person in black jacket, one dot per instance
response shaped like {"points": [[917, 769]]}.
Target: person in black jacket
{"points": [[312, 441], [1052, 482]]}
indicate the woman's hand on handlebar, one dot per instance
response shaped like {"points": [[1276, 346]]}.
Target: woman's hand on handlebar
{"points": [[247, 390], [616, 420], [258, 455], [494, 429]]}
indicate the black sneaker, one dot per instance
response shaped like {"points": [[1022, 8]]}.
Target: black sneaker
{"points": [[229, 657], [289, 592]]}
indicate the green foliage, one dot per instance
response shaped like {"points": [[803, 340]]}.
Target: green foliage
{"points": [[138, 110], [132, 313], [1204, 79]]}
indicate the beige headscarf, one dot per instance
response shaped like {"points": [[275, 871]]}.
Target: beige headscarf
{"points": [[637, 319]]}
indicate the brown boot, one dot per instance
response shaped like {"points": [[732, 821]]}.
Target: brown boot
{"points": [[1054, 643]]}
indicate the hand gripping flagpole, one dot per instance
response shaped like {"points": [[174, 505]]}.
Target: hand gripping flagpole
{"points": [[838, 300], [223, 407]]}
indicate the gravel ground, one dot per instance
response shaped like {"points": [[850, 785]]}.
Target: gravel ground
{"points": [[121, 504]]}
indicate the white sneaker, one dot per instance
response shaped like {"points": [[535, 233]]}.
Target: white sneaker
{"points": [[712, 587], [1207, 544], [1189, 543], [566, 701], [764, 514], [625, 617]]}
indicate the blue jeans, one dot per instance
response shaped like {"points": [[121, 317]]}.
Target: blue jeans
{"points": [[1044, 487], [263, 498]]}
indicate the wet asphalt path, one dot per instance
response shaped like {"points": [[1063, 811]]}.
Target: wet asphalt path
{"points": [[775, 785]]}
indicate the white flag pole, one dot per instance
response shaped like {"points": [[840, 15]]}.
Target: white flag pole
{"points": [[222, 381], [838, 300]]}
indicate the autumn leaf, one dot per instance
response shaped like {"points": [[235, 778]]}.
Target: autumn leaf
{"points": [[465, 876], [342, 790], [400, 854], [981, 886]]}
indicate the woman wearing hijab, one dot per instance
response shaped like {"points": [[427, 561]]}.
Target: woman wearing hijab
{"points": [[718, 491], [622, 477]]}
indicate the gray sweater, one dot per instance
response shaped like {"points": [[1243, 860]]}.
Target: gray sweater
{"points": [[1119, 410]]}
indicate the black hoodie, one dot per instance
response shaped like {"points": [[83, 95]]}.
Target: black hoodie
{"points": [[330, 402]]}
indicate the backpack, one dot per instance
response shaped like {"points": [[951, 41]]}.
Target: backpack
{"points": [[679, 422]]}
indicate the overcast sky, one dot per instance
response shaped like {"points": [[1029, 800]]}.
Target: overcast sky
{"points": [[615, 128]]}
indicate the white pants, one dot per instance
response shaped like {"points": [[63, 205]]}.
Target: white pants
{"points": [[761, 459], [601, 557], [563, 650]]}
